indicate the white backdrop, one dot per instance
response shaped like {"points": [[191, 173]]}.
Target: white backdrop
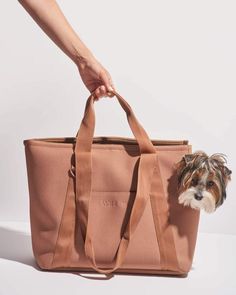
{"points": [[174, 61]]}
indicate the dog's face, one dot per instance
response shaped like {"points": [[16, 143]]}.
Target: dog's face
{"points": [[202, 180]]}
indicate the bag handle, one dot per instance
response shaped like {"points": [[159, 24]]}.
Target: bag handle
{"points": [[86, 131], [83, 169]]}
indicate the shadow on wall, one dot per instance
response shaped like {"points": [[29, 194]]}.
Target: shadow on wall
{"points": [[16, 246]]}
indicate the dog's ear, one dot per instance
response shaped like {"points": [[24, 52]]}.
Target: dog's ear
{"points": [[186, 163], [185, 160], [188, 158], [227, 171], [219, 161], [181, 168], [226, 174]]}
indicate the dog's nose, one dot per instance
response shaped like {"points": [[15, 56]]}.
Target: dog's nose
{"points": [[198, 196]]}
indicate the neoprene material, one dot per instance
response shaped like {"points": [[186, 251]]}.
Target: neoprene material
{"points": [[109, 204]]}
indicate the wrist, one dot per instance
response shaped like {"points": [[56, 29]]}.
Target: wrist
{"points": [[83, 57]]}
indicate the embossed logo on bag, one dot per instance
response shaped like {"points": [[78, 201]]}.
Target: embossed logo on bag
{"points": [[113, 203]]}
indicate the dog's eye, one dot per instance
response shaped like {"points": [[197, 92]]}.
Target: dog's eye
{"points": [[194, 181], [210, 183]]}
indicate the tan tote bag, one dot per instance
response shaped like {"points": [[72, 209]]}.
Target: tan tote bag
{"points": [[109, 204]]}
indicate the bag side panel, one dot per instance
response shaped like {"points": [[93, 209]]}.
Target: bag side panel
{"points": [[183, 220], [47, 169]]}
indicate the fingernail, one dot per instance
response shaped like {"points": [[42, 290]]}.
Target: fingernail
{"points": [[110, 88]]}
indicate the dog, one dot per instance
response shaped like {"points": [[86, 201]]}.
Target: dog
{"points": [[202, 180]]}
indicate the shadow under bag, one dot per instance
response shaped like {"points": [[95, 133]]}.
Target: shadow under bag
{"points": [[109, 204]]}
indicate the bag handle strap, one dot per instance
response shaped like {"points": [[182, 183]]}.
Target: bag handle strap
{"points": [[86, 131], [83, 168]]}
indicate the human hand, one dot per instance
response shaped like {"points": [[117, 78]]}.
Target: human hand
{"points": [[95, 77]]}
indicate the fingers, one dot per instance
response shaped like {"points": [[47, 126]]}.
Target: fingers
{"points": [[107, 83], [106, 79], [107, 87], [100, 92]]}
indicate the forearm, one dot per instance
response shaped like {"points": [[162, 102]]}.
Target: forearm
{"points": [[50, 18]]}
